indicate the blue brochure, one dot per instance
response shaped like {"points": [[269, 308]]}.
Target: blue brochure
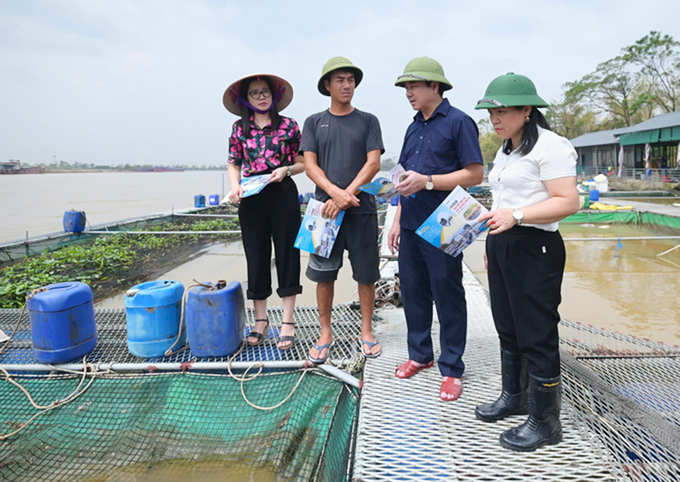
{"points": [[452, 227], [317, 234], [383, 187], [253, 184]]}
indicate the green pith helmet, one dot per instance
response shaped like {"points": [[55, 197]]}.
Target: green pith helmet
{"points": [[510, 90], [339, 63], [425, 69]]}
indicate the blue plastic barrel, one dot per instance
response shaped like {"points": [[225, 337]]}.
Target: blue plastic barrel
{"points": [[394, 201], [215, 319], [62, 322], [214, 199], [301, 198], [74, 221], [153, 311], [594, 195], [199, 201]]}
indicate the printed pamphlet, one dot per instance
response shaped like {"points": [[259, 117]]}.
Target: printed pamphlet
{"points": [[317, 234], [3, 336], [253, 184], [383, 187], [452, 226]]}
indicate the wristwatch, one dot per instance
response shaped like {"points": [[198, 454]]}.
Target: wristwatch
{"points": [[429, 185], [518, 215]]}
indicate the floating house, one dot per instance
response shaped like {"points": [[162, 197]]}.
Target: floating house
{"points": [[602, 149]]}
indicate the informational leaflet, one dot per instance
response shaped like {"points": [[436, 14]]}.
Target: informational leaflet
{"points": [[383, 187], [452, 226], [253, 184], [317, 234], [3, 336]]}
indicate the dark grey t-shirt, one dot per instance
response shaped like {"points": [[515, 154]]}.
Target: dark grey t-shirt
{"points": [[341, 144]]}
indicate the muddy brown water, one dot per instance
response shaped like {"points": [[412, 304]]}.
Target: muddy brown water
{"points": [[227, 262], [630, 290]]}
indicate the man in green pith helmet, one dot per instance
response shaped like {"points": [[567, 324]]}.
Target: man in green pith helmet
{"points": [[440, 151], [342, 147]]}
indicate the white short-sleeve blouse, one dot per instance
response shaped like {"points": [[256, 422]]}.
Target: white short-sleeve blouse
{"points": [[517, 180]]}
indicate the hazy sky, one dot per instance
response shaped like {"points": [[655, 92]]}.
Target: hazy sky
{"points": [[118, 81]]}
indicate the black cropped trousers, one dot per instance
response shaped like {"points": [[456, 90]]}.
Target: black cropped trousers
{"points": [[272, 214]]}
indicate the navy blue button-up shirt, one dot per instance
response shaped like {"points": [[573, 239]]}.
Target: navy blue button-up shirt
{"points": [[446, 142]]}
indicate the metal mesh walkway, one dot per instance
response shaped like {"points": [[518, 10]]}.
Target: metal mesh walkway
{"points": [[112, 338], [407, 433]]}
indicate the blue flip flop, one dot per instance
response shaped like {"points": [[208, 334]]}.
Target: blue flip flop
{"points": [[370, 344], [320, 349]]}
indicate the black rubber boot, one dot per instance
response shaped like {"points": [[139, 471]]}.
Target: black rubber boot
{"points": [[543, 426], [514, 399]]}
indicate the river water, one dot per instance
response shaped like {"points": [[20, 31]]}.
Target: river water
{"points": [[631, 290]]}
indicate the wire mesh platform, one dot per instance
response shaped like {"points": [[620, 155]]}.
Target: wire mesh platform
{"points": [[619, 415], [112, 338]]}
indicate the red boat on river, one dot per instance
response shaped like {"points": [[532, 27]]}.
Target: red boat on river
{"points": [[15, 167]]}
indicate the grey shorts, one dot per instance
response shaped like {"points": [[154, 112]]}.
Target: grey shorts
{"points": [[359, 236]]}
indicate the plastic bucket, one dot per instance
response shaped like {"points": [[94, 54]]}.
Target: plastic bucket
{"points": [[214, 199], [153, 311], [199, 201], [62, 322], [215, 319], [74, 221], [594, 195]]}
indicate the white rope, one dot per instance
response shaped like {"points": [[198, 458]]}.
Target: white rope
{"points": [[244, 378], [88, 371], [169, 351], [23, 308]]}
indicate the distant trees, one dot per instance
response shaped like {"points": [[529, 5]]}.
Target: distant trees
{"points": [[388, 163], [643, 81], [488, 141]]}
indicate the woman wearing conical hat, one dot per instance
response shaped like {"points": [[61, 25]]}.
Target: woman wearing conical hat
{"points": [[263, 142]]}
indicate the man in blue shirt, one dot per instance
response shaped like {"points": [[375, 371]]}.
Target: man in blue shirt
{"points": [[440, 151]]}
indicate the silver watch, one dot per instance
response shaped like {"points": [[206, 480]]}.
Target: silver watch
{"points": [[518, 215]]}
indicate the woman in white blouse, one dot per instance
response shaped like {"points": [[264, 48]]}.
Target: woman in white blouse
{"points": [[533, 182]]}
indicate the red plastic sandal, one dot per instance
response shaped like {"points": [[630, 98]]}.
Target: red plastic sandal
{"points": [[410, 368], [451, 386]]}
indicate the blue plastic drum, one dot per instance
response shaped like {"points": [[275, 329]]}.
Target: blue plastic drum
{"points": [[215, 319], [62, 322], [214, 199], [74, 221], [199, 201], [153, 311]]}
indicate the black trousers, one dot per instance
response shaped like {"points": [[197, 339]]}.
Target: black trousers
{"points": [[273, 213], [526, 267]]}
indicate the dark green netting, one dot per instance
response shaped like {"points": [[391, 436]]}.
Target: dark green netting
{"points": [[190, 426]]}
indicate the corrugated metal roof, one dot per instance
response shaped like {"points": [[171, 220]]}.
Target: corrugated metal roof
{"points": [[600, 138], [659, 122], [611, 136]]}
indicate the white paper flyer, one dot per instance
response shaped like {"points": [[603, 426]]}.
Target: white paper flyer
{"points": [[317, 234], [452, 226], [383, 187]]}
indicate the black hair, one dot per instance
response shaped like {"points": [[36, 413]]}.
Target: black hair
{"points": [[439, 88], [246, 112], [347, 70], [530, 133]]}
